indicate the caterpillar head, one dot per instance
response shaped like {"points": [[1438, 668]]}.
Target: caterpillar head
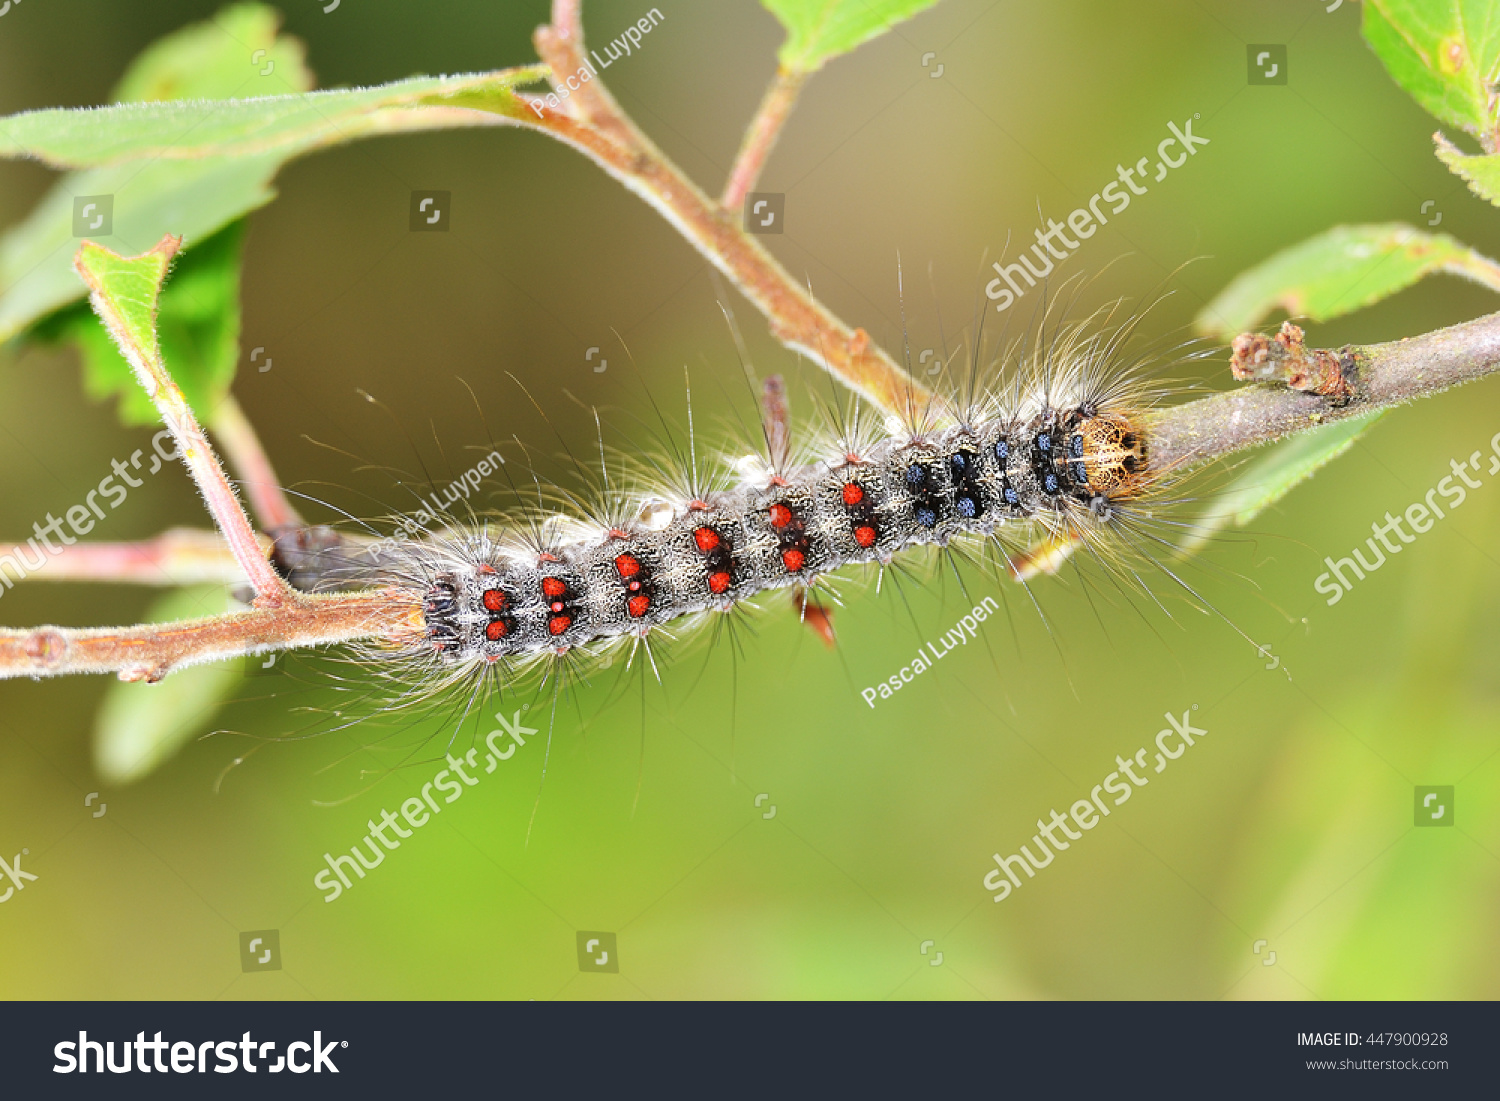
{"points": [[1115, 456]]}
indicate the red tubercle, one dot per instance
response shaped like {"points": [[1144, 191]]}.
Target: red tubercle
{"points": [[638, 605], [495, 600], [495, 630], [780, 515], [559, 623], [485, 567], [718, 583], [556, 606], [634, 586], [706, 538], [627, 566], [793, 559], [864, 535], [544, 556], [853, 494], [553, 587]]}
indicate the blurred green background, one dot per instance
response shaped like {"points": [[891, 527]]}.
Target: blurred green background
{"points": [[1291, 822]]}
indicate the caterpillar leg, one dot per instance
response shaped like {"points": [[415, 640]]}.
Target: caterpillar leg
{"points": [[819, 617], [1046, 555]]}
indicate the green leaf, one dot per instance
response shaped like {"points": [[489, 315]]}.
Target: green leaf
{"points": [[86, 137], [236, 53], [192, 199], [1481, 173], [140, 725], [1275, 474], [198, 324], [128, 289], [191, 167], [817, 30], [1339, 271], [1445, 53]]}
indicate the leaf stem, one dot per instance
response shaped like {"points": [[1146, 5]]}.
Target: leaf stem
{"points": [[760, 137], [192, 445], [258, 478]]}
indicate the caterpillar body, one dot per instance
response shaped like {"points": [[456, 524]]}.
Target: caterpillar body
{"points": [[1064, 460]]}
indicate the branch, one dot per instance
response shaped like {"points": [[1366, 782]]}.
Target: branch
{"points": [[177, 557], [1330, 385], [250, 461], [139, 347], [124, 293], [1325, 386], [1182, 437], [760, 137], [151, 651], [592, 122]]}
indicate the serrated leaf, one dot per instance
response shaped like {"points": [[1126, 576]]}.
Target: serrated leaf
{"points": [[817, 30], [140, 725], [198, 322], [87, 137], [1480, 172], [1271, 477], [194, 199], [236, 53], [1339, 271], [127, 289], [191, 167], [1445, 54]]}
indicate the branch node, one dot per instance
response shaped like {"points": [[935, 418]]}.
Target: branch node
{"points": [[1286, 358]]}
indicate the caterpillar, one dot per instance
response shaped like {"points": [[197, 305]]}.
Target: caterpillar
{"points": [[1057, 447]]}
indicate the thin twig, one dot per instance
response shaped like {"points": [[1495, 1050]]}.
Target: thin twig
{"points": [[180, 556], [593, 123], [760, 136], [192, 445], [248, 458]]}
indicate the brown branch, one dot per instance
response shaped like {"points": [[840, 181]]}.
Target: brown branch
{"points": [[1375, 376], [760, 137], [245, 453], [151, 651], [177, 557], [592, 122]]}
